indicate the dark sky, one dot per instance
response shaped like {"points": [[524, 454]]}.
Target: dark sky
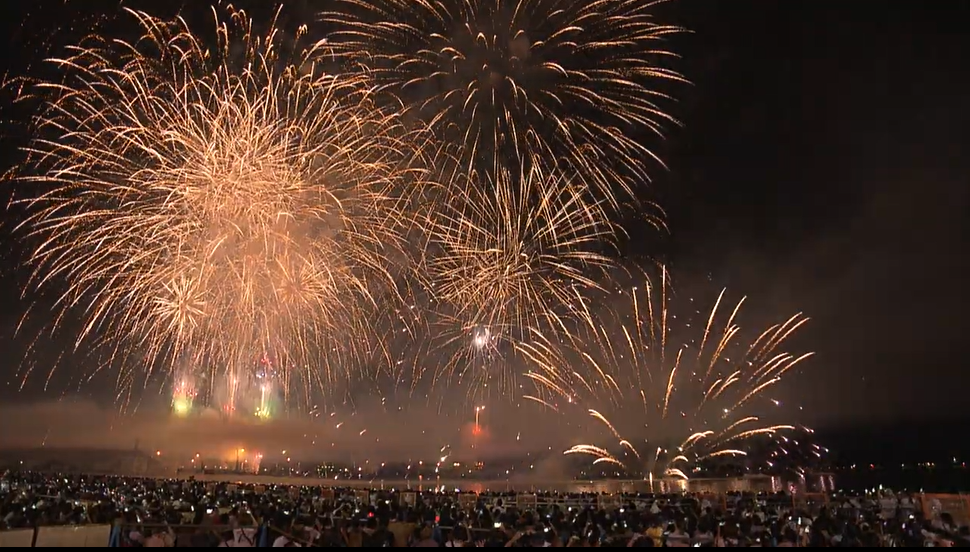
{"points": [[821, 168]]}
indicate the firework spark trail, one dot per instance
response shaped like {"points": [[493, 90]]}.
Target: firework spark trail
{"points": [[210, 204], [560, 86], [512, 261], [796, 452], [706, 397]]}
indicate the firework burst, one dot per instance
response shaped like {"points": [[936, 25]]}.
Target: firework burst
{"points": [[210, 201], [511, 260], [700, 388], [554, 85]]}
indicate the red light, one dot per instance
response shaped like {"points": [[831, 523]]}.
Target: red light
{"points": [[370, 514]]}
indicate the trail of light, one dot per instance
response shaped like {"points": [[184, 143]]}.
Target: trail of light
{"points": [[540, 401]]}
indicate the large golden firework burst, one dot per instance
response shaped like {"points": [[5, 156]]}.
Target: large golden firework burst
{"points": [[215, 197]]}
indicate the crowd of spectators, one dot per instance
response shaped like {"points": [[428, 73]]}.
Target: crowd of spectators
{"points": [[167, 513]]}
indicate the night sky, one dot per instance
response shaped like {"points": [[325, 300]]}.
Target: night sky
{"points": [[821, 167]]}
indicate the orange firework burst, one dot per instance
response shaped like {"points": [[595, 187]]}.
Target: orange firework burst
{"points": [[551, 85], [211, 203], [511, 261]]}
